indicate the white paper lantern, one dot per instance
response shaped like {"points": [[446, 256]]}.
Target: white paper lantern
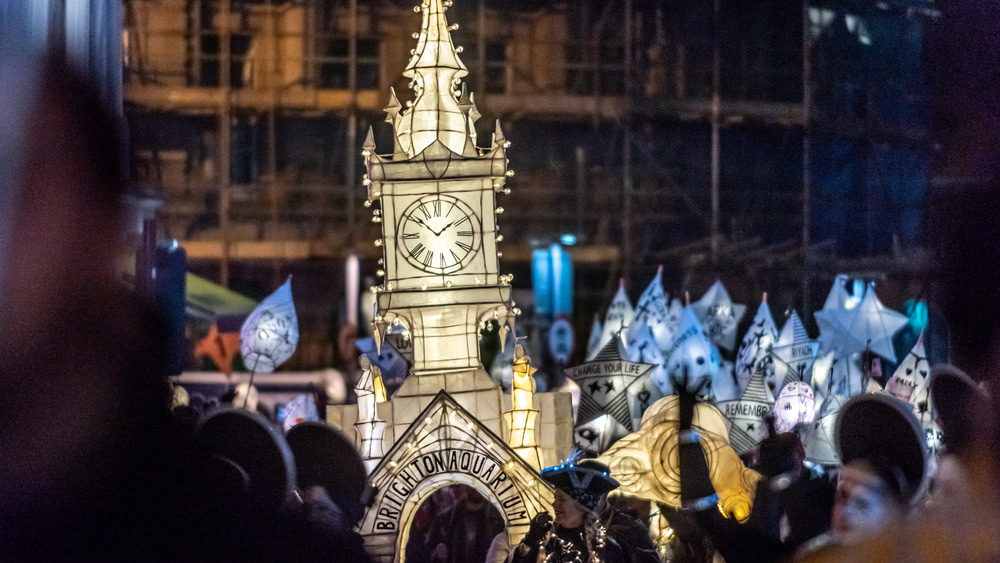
{"points": [[271, 332], [794, 404]]}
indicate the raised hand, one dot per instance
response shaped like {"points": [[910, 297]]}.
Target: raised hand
{"points": [[540, 526]]}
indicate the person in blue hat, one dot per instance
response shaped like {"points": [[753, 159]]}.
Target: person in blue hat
{"points": [[576, 535]]}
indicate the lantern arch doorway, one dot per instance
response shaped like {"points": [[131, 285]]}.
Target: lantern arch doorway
{"points": [[447, 445], [489, 515]]}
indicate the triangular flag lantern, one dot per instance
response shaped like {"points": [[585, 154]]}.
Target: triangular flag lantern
{"points": [[755, 346], [746, 416], [674, 316], [724, 385], [618, 317], [642, 348], [911, 375], [719, 315], [692, 360], [606, 382], [653, 310], [818, 438], [822, 378], [793, 353], [594, 341], [271, 332]]}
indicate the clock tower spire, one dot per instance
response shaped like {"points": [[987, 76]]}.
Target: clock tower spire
{"points": [[436, 200]]}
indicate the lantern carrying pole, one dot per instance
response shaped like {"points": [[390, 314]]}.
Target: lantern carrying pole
{"points": [[253, 371]]}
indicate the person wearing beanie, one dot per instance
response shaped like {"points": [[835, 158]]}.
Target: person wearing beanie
{"points": [[576, 535]]}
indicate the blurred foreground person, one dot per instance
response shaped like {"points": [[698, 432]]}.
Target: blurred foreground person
{"points": [[881, 445], [83, 390], [576, 534], [94, 465], [959, 403], [961, 520]]}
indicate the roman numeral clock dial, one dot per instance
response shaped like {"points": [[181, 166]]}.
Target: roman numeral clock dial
{"points": [[438, 234]]}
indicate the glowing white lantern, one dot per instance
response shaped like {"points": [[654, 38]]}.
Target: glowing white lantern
{"points": [[793, 353], [298, 410], [369, 427], [271, 332], [653, 311], [606, 383], [753, 354], [794, 404], [719, 315], [692, 360], [912, 375], [618, 317]]}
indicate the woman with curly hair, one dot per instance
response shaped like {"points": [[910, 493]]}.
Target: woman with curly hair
{"points": [[577, 535]]}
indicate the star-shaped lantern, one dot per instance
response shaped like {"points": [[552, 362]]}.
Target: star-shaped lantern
{"points": [[746, 415], [869, 326], [719, 315], [608, 384], [837, 302]]}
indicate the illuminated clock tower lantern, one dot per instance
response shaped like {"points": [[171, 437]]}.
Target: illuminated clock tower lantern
{"points": [[436, 201]]}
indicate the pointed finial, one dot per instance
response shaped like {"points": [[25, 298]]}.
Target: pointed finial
{"points": [[764, 299], [369, 144], [392, 110], [498, 138], [659, 270], [621, 283], [474, 114], [687, 298], [463, 98]]}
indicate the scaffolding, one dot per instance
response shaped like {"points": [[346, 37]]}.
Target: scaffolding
{"points": [[686, 132]]}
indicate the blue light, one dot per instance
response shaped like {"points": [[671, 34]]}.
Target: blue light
{"points": [[568, 239]]}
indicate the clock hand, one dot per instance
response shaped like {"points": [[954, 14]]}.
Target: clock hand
{"points": [[422, 224], [438, 233]]}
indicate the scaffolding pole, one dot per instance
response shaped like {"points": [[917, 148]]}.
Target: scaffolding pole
{"points": [[716, 125], [806, 153], [225, 134]]}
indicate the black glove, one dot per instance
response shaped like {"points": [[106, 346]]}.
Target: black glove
{"points": [[540, 526]]}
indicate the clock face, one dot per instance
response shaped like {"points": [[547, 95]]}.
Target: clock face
{"points": [[438, 234]]}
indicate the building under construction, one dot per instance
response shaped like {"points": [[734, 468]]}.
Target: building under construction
{"points": [[770, 142]]}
